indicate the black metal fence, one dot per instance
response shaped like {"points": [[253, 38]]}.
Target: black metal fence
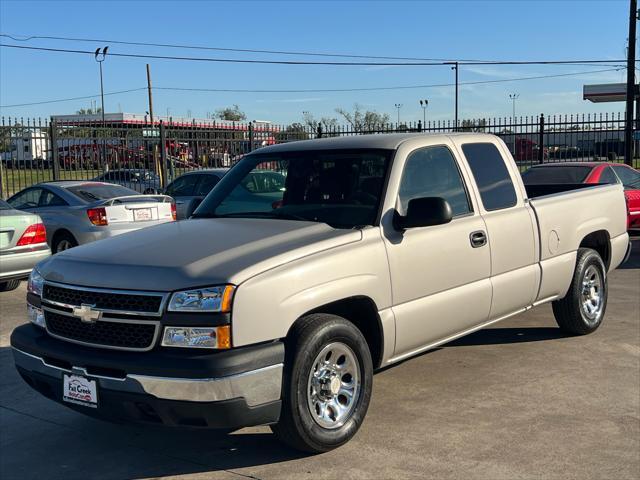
{"points": [[147, 157]]}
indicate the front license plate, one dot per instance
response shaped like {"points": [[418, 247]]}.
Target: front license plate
{"points": [[142, 214], [80, 390]]}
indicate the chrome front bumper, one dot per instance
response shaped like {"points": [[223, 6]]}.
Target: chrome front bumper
{"points": [[256, 387]]}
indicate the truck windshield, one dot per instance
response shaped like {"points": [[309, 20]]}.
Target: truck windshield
{"points": [[342, 188]]}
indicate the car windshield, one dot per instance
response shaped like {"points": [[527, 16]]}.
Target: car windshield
{"points": [[342, 188], [4, 205], [556, 174], [91, 192]]}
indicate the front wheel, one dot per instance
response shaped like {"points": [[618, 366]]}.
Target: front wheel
{"points": [[327, 384], [581, 311]]}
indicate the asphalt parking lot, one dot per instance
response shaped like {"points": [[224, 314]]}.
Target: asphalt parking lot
{"points": [[519, 400]]}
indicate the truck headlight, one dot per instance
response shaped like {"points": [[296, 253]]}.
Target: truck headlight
{"points": [[35, 283], [197, 337], [209, 299]]}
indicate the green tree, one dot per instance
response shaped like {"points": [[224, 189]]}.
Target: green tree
{"points": [[362, 120], [88, 111], [473, 125], [231, 114]]}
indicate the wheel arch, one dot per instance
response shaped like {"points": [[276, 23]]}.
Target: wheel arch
{"points": [[59, 233], [600, 242], [362, 311]]}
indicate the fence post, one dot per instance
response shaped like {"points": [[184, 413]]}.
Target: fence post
{"points": [[250, 136], [53, 139], [319, 131], [163, 156], [541, 139]]}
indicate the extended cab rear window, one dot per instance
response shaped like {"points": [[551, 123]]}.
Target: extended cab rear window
{"points": [[559, 174], [94, 192], [491, 175]]}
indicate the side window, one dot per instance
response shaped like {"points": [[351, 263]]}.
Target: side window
{"points": [[491, 175], [607, 176], [183, 186], [50, 199], [206, 183], [433, 172], [27, 199]]}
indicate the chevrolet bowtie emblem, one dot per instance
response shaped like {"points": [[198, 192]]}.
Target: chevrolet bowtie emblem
{"points": [[86, 313]]}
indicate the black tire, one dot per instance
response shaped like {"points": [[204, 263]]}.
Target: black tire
{"points": [[9, 285], [570, 312], [297, 427], [63, 241]]}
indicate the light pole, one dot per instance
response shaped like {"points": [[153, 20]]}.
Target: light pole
{"points": [[100, 55], [514, 97], [423, 104], [398, 106]]}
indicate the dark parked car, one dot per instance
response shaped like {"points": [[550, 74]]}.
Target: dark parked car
{"points": [[138, 179], [189, 190]]}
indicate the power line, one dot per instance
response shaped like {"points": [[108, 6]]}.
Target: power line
{"points": [[325, 90], [220, 49], [371, 89], [304, 62], [72, 98]]}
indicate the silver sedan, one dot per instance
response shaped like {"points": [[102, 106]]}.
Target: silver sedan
{"points": [[79, 212], [23, 243]]}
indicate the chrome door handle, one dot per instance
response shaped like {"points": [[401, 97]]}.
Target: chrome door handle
{"points": [[478, 239]]}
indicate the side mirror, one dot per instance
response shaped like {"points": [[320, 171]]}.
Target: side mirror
{"points": [[424, 212]]}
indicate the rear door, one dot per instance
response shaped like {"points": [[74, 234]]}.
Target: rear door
{"points": [[510, 227]]}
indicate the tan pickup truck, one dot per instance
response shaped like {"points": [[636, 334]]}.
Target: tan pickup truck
{"points": [[276, 301]]}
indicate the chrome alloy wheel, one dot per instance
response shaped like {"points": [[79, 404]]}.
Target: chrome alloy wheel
{"points": [[333, 387], [63, 245], [591, 295]]}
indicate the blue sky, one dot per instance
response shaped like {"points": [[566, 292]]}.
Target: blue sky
{"points": [[492, 30]]}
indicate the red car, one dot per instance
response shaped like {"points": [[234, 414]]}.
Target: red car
{"points": [[592, 172]]}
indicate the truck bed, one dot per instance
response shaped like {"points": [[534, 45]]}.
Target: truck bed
{"points": [[542, 189]]}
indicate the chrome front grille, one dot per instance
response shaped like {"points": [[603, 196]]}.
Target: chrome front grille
{"points": [[128, 320]]}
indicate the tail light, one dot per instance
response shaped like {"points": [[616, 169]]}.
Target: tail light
{"points": [[174, 215], [98, 216], [35, 233]]}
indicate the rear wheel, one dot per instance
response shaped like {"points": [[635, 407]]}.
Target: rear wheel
{"points": [[9, 285], [63, 241], [327, 384], [581, 311]]}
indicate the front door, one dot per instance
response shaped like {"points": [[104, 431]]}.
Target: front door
{"points": [[439, 276]]}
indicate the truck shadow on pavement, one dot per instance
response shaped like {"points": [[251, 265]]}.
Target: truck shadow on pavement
{"points": [[70, 445]]}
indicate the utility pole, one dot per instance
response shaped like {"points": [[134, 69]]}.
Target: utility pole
{"points": [[150, 95], [631, 84], [514, 97], [398, 106]]}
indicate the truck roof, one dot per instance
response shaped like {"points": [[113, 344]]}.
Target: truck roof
{"points": [[388, 141]]}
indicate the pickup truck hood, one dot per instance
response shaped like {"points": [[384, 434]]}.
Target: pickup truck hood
{"points": [[192, 253]]}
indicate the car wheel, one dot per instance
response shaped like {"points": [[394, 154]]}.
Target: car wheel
{"points": [[63, 242], [581, 311], [9, 285], [327, 384]]}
